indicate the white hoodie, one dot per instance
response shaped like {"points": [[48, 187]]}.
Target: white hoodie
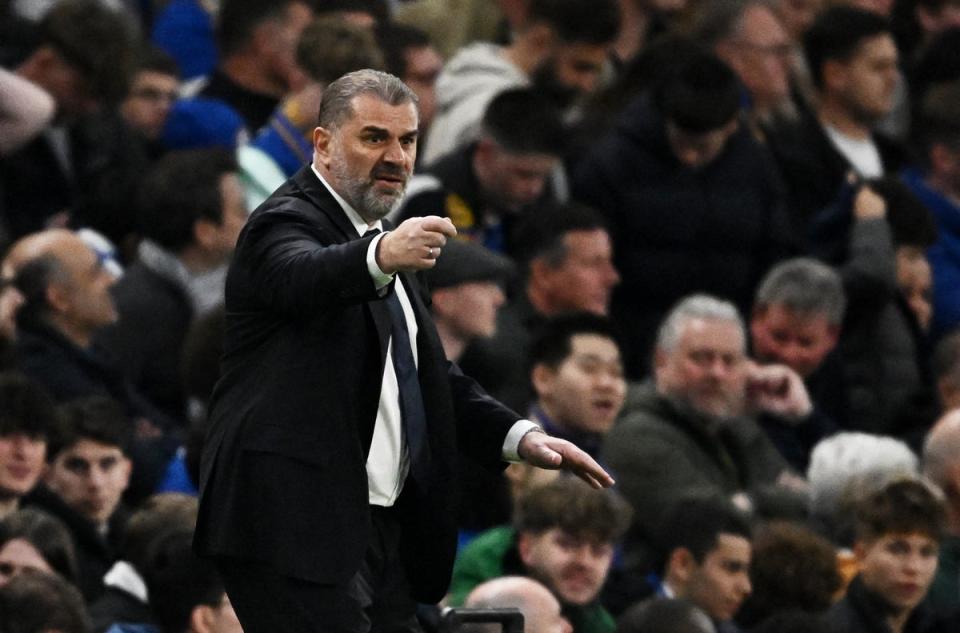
{"points": [[469, 81]]}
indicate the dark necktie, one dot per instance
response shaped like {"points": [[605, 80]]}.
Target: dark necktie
{"points": [[412, 414]]}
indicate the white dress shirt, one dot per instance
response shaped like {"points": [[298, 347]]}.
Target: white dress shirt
{"points": [[389, 461]]}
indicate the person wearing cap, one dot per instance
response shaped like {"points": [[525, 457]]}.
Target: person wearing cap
{"points": [[466, 289]]}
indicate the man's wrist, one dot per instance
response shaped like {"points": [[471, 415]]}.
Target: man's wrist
{"points": [[380, 277], [511, 444]]}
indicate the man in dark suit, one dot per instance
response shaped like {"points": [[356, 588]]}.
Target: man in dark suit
{"points": [[328, 473]]}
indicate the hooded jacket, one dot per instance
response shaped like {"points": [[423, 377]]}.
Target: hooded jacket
{"points": [[468, 82]]}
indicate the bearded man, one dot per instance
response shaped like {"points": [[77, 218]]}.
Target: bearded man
{"points": [[693, 431], [329, 470]]}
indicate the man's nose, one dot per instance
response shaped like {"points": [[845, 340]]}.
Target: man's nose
{"points": [[586, 82], [20, 443], [717, 367], [613, 277], [395, 153], [532, 188], [607, 380], [583, 555], [97, 477], [913, 563], [692, 158]]}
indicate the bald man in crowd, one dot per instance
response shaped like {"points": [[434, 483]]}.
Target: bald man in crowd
{"points": [[66, 290], [941, 465], [540, 609]]}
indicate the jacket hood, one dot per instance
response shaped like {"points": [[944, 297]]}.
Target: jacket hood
{"points": [[476, 68], [643, 124]]}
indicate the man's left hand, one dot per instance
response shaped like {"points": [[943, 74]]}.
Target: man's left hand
{"points": [[544, 451], [778, 390]]}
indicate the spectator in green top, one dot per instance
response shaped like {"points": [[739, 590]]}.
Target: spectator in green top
{"points": [[564, 535]]}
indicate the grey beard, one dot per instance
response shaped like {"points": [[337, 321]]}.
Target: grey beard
{"points": [[361, 196], [373, 207]]}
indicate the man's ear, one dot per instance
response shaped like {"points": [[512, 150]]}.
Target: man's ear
{"points": [[542, 378], [539, 271], [127, 465], [321, 144], [486, 149], [660, 359], [541, 36], [205, 233], [58, 296], [834, 74], [45, 58], [833, 334], [201, 619], [859, 550], [524, 546], [440, 300], [680, 565]]}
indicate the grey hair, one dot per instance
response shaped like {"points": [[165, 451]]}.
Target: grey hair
{"points": [[847, 467], [805, 286], [722, 20], [698, 306], [336, 106]]}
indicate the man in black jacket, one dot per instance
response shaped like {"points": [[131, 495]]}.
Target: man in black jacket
{"points": [[692, 202], [328, 474], [853, 64], [89, 471]]}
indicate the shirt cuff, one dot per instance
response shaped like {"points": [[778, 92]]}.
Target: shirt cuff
{"points": [[511, 444], [380, 279]]}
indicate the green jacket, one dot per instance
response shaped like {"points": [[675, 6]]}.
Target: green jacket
{"points": [[494, 554]]}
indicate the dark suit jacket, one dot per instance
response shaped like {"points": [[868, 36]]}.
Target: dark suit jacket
{"points": [[283, 478]]}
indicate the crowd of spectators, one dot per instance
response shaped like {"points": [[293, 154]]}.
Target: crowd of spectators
{"points": [[714, 243]]}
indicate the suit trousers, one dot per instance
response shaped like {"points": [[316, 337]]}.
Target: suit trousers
{"points": [[376, 600]]}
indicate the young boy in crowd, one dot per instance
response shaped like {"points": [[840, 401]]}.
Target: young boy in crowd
{"points": [[898, 534]]}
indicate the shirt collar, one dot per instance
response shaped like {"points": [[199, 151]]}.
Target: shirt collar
{"points": [[358, 223]]}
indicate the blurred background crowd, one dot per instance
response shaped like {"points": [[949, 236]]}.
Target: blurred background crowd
{"points": [[714, 243]]}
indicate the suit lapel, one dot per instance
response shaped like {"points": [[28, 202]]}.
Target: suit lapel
{"points": [[318, 194]]}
